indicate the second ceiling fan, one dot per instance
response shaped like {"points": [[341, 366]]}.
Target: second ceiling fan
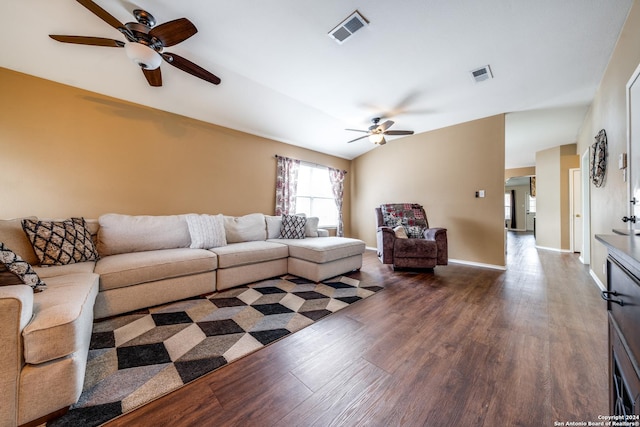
{"points": [[376, 132]]}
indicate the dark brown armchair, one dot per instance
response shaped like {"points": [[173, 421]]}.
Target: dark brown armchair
{"points": [[423, 247]]}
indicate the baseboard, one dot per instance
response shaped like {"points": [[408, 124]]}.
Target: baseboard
{"points": [[478, 264], [596, 279], [554, 249]]}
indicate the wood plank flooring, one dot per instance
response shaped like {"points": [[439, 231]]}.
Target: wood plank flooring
{"points": [[462, 345]]}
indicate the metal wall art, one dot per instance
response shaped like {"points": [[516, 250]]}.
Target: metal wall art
{"points": [[599, 159]]}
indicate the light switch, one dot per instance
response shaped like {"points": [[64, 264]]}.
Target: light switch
{"points": [[481, 193]]}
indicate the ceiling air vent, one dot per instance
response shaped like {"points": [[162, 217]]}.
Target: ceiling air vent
{"points": [[481, 74], [346, 28]]}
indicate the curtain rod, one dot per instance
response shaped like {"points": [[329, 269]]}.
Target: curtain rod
{"points": [[310, 163]]}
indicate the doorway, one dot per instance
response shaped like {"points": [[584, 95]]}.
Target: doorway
{"points": [[575, 211]]}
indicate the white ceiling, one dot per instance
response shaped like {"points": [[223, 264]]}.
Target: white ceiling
{"points": [[284, 78]]}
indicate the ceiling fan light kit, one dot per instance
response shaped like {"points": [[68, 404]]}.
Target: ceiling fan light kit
{"points": [[145, 42], [376, 138], [142, 55]]}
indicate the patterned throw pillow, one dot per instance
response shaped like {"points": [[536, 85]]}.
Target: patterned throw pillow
{"points": [[16, 271], [293, 227], [414, 231], [206, 231], [60, 242]]}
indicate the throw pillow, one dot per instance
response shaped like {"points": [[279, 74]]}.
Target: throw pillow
{"points": [[311, 228], [60, 242], [16, 271], [401, 233], [207, 231], [293, 227], [414, 231]]}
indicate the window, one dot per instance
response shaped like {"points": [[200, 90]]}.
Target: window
{"points": [[314, 195], [507, 206], [532, 204]]}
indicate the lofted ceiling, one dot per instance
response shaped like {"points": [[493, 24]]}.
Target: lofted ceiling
{"points": [[284, 78]]}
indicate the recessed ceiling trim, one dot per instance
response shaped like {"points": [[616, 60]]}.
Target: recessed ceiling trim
{"points": [[344, 30]]}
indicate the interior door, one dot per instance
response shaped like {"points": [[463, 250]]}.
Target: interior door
{"points": [[633, 130], [576, 210]]}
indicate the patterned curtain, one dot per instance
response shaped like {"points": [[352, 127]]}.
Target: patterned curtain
{"points": [[337, 185], [286, 185]]}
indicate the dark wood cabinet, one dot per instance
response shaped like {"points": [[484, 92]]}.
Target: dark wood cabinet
{"points": [[623, 307]]}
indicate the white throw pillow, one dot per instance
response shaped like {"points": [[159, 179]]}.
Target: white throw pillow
{"points": [[207, 231], [274, 223], [400, 231], [311, 228]]}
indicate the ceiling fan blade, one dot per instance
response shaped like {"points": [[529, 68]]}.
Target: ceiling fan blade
{"points": [[191, 68], [173, 32], [92, 41], [358, 130], [101, 13], [384, 126], [357, 139], [154, 77], [399, 132]]}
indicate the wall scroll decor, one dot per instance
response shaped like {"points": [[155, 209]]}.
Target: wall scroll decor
{"points": [[599, 159]]}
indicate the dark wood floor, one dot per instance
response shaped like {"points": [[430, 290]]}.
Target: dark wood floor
{"points": [[462, 346]]}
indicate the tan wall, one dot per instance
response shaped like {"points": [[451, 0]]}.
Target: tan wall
{"points": [[441, 170], [552, 196], [609, 203], [66, 151], [548, 222]]}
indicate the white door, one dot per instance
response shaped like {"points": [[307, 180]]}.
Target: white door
{"points": [[575, 210], [633, 131]]}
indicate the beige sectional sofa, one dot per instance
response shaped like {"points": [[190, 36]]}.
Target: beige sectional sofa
{"points": [[143, 261]]}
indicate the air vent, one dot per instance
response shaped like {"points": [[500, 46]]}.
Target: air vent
{"points": [[346, 28], [481, 74]]}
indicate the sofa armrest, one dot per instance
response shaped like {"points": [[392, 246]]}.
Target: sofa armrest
{"points": [[16, 310], [440, 236], [385, 240]]}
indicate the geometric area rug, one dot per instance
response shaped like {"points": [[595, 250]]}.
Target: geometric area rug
{"points": [[137, 357]]}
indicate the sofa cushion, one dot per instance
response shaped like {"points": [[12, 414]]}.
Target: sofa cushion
{"points": [[12, 235], [245, 228], [206, 231], [16, 271], [62, 317], [121, 234], [323, 249], [60, 242], [415, 248], [60, 270], [293, 227], [249, 253], [121, 270]]}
